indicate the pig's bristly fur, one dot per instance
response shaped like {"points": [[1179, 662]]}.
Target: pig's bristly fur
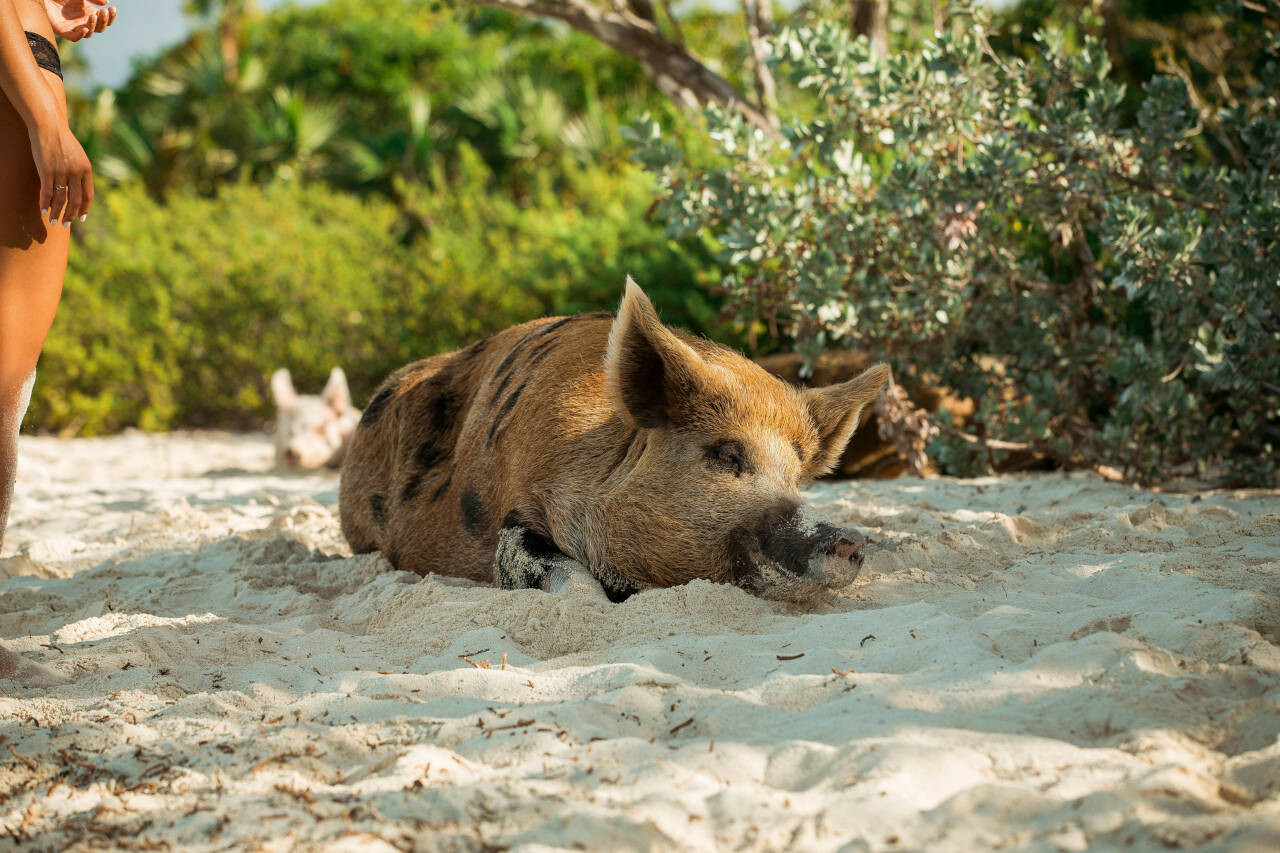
{"points": [[634, 448]]}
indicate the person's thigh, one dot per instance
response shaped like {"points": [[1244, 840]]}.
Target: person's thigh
{"points": [[33, 256]]}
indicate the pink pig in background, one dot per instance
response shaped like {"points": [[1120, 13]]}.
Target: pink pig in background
{"points": [[312, 430]]}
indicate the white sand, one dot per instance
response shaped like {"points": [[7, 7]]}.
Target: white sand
{"points": [[1032, 662]]}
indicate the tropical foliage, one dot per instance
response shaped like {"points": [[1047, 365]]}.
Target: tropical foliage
{"points": [[362, 93], [359, 183]]}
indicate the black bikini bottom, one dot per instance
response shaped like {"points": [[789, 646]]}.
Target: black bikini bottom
{"points": [[45, 53]]}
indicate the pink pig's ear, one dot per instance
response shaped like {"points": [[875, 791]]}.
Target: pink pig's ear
{"points": [[837, 410], [335, 392], [649, 372], [282, 390]]}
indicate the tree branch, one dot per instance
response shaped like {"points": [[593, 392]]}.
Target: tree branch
{"points": [[676, 72], [642, 9], [758, 23], [993, 443]]}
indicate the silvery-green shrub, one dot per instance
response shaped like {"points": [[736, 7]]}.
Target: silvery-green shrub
{"points": [[1102, 290]]}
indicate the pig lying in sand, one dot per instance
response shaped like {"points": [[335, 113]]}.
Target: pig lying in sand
{"points": [[312, 431], [609, 448]]}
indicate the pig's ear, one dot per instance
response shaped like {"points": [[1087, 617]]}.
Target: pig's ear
{"points": [[649, 372], [837, 410], [282, 390], [336, 393]]}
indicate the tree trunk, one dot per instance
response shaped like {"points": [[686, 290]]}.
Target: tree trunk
{"points": [[870, 18], [676, 72], [758, 17]]}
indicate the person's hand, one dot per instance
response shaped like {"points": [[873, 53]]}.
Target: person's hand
{"points": [[66, 177], [79, 19]]}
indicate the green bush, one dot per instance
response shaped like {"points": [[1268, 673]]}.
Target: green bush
{"points": [[360, 93], [175, 314], [992, 223]]}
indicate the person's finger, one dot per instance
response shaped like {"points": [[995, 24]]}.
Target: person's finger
{"points": [[75, 192], [86, 195], [59, 200], [46, 192], [99, 2], [111, 15], [101, 22]]}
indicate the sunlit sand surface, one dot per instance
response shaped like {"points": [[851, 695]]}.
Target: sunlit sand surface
{"points": [[1041, 662]]}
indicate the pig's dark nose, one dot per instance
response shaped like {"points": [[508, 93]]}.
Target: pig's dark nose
{"points": [[291, 456]]}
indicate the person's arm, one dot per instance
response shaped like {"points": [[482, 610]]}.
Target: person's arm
{"points": [[66, 178], [19, 75]]}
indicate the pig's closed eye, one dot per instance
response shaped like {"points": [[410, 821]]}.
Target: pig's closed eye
{"points": [[726, 456]]}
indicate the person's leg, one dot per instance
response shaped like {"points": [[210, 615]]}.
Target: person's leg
{"points": [[33, 262], [14, 665], [11, 413]]}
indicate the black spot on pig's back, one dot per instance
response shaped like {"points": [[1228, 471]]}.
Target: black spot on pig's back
{"points": [[373, 412], [475, 516], [438, 406]]}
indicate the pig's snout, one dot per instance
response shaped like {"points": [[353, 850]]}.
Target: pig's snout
{"points": [[787, 545]]}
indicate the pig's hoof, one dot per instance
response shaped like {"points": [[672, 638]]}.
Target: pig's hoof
{"points": [[572, 580], [528, 560]]}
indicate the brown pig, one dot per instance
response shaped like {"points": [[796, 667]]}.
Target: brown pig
{"points": [[613, 446]]}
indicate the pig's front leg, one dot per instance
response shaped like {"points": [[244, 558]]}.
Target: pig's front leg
{"points": [[527, 560]]}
